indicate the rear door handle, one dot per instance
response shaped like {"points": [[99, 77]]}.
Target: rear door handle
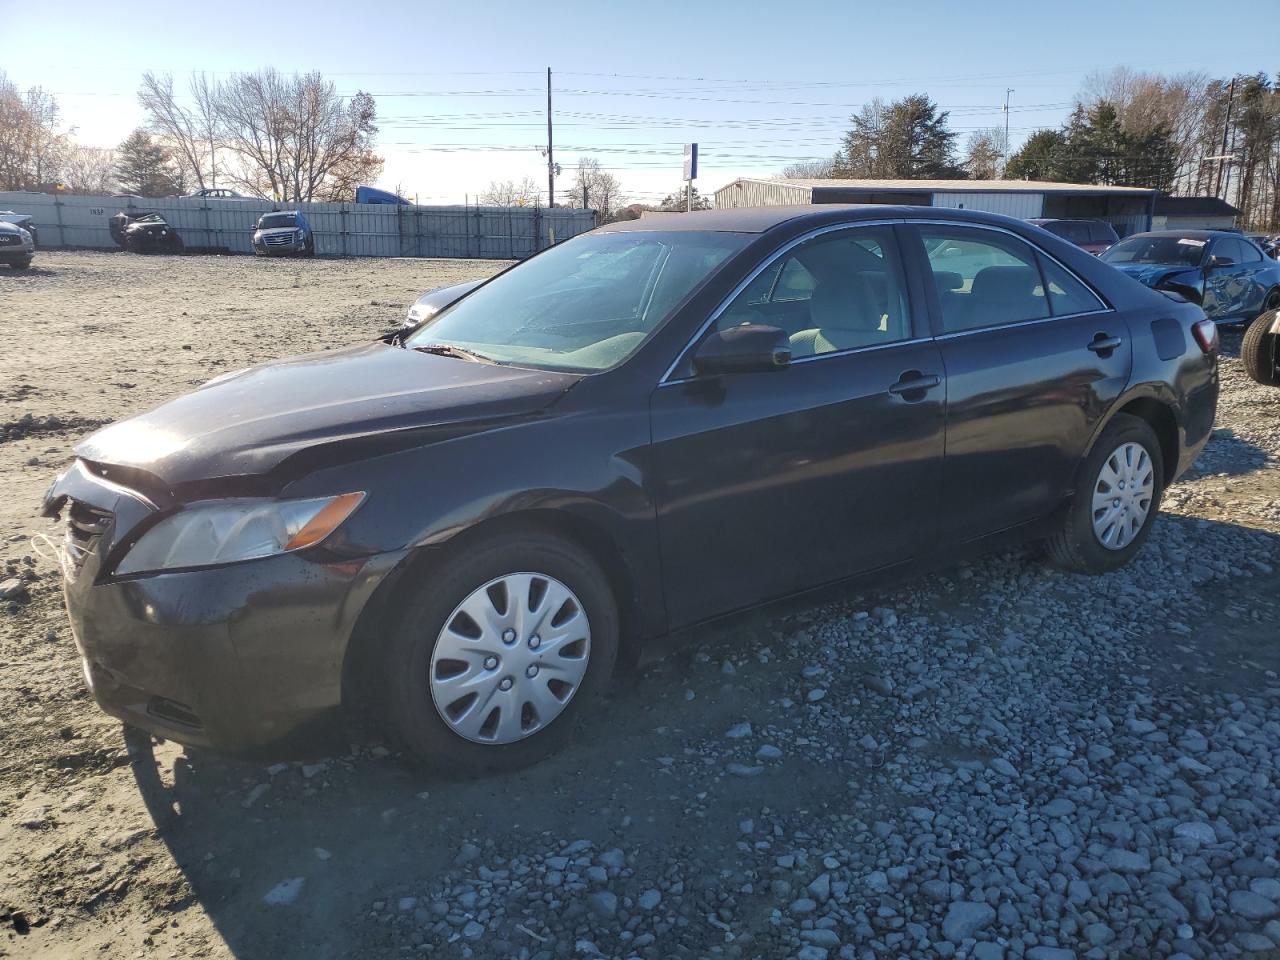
{"points": [[915, 382], [1104, 344]]}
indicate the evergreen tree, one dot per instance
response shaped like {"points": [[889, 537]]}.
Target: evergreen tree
{"points": [[144, 168]]}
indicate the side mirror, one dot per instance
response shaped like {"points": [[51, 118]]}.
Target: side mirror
{"points": [[1218, 260], [750, 348]]}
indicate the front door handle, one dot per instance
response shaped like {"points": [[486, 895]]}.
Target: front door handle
{"points": [[913, 384], [1102, 344]]}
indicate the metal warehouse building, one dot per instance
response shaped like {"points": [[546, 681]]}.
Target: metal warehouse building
{"points": [[1128, 209]]}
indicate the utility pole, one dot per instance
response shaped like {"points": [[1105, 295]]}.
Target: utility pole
{"points": [[1226, 126], [1004, 160], [551, 160]]}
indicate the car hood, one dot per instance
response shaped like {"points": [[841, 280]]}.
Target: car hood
{"points": [[276, 421], [272, 231], [1151, 273]]}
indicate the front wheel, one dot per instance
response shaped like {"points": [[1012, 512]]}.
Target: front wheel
{"points": [[1259, 349], [1115, 501], [499, 652], [21, 264]]}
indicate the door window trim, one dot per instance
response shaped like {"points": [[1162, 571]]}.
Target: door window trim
{"points": [[668, 380], [935, 308]]}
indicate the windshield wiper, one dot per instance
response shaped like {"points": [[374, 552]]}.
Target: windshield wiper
{"points": [[448, 350]]}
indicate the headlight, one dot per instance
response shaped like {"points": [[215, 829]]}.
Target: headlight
{"points": [[225, 531]]}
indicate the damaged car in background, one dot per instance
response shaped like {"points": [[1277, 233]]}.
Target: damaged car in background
{"points": [[644, 428], [144, 233], [1223, 271]]}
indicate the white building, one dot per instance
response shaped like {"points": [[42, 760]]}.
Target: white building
{"points": [[1128, 209]]}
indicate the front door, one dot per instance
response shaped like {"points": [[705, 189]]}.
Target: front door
{"points": [[1029, 376], [769, 483]]}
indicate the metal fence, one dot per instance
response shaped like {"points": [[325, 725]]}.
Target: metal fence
{"points": [[340, 229]]}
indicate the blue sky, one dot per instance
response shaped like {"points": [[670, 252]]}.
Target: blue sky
{"points": [[461, 86]]}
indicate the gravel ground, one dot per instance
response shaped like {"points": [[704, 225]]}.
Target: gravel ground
{"points": [[998, 760]]}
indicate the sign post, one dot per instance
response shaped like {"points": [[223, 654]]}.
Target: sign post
{"points": [[690, 174]]}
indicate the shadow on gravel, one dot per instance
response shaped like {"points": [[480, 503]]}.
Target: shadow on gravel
{"points": [[1228, 454], [315, 860]]}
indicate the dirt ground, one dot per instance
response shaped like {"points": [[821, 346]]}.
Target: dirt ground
{"points": [[112, 846]]}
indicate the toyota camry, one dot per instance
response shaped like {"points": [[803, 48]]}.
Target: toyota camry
{"points": [[469, 525]]}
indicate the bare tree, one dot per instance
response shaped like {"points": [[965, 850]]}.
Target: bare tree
{"points": [[984, 153], [508, 193], [31, 146], [89, 170], [190, 134], [290, 137], [811, 169], [594, 189]]}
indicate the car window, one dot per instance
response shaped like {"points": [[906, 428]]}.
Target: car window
{"points": [[1229, 247], [1101, 232], [1067, 295], [1248, 252], [1075, 231], [838, 291], [983, 278]]}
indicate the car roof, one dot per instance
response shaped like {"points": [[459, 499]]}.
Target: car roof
{"points": [[1039, 220], [762, 219], [1188, 234]]}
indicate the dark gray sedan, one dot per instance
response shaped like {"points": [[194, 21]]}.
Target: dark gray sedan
{"points": [[1225, 272]]}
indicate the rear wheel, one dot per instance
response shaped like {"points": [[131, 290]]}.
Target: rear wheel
{"points": [[1258, 350], [1115, 501], [496, 657]]}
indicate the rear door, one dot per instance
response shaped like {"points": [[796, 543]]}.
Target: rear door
{"points": [[1029, 375]]}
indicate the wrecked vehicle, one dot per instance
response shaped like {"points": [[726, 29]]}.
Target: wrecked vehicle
{"points": [[144, 233], [1223, 271], [1260, 349]]}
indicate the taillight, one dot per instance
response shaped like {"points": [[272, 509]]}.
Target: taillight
{"points": [[1206, 334]]}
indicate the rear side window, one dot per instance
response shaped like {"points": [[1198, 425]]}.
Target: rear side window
{"points": [[998, 278], [1248, 252], [1067, 295], [1102, 232]]}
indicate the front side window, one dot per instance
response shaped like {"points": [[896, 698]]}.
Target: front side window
{"points": [[983, 278], [584, 305], [838, 291]]}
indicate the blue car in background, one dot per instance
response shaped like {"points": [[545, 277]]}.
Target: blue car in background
{"points": [[283, 233], [1225, 272]]}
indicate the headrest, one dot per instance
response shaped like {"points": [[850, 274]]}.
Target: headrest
{"points": [[945, 280], [845, 303], [1004, 284]]}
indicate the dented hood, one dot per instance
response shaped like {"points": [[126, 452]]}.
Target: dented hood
{"points": [[321, 408]]}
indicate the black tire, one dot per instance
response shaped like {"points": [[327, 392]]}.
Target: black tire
{"points": [[175, 243], [1258, 350], [1075, 546], [21, 264], [407, 657]]}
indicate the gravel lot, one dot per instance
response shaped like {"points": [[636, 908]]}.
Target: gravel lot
{"points": [[999, 760]]}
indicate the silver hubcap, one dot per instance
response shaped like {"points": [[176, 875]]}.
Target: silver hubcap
{"points": [[510, 658], [1122, 496]]}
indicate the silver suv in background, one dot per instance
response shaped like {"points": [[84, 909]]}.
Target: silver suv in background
{"points": [[16, 246], [283, 233]]}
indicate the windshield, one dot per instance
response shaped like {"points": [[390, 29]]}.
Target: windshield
{"points": [[1183, 251], [584, 305], [270, 220]]}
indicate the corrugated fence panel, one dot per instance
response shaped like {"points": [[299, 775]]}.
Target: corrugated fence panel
{"points": [[340, 229], [1020, 205], [757, 193]]}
